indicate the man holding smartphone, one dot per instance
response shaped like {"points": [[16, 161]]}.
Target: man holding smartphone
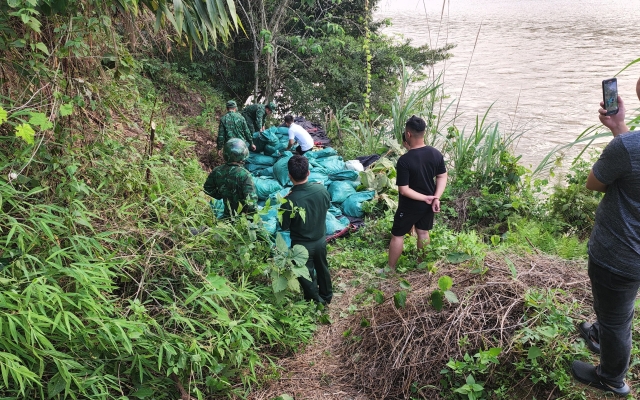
{"points": [[614, 256]]}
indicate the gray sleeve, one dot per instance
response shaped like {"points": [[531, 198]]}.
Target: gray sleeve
{"points": [[614, 162]]}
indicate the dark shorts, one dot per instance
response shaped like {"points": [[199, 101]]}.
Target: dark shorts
{"points": [[404, 221], [299, 150]]}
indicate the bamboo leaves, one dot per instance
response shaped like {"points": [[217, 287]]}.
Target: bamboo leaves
{"points": [[198, 21]]}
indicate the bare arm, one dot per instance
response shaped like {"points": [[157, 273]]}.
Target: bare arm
{"points": [[594, 184], [291, 142], [441, 184]]}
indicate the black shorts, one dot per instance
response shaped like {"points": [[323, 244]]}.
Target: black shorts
{"points": [[404, 221], [299, 150]]}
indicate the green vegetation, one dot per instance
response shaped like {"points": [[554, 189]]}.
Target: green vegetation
{"points": [[118, 281]]}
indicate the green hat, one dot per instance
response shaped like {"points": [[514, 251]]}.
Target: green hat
{"points": [[271, 106], [232, 104], [235, 150]]}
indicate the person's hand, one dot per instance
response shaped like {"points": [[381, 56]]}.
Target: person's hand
{"points": [[253, 147], [435, 205], [615, 122], [429, 199]]}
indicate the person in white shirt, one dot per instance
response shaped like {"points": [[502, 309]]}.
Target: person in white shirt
{"points": [[299, 134]]}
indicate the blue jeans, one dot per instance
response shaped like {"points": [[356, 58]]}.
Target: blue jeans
{"points": [[613, 301]]}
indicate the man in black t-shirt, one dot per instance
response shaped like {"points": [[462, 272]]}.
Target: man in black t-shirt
{"points": [[419, 193]]}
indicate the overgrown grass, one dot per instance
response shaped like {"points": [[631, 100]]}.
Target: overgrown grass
{"points": [[108, 294]]}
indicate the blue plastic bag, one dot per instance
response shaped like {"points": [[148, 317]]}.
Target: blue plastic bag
{"points": [[326, 152], [352, 206], [345, 175], [217, 206], [336, 211], [260, 159], [270, 220], [265, 186], [281, 170], [340, 190], [332, 164], [334, 224], [317, 177]]}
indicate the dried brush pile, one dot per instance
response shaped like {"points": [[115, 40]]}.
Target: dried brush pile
{"points": [[410, 346]]}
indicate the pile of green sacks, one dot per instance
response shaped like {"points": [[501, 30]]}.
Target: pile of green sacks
{"points": [[268, 165]]}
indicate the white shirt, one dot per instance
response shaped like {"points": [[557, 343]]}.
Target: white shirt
{"points": [[296, 132]]}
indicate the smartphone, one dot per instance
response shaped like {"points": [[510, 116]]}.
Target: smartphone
{"points": [[610, 95]]}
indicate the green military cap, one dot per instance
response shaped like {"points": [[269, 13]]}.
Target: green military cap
{"points": [[271, 106], [232, 104]]}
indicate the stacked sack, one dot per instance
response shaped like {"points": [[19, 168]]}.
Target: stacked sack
{"points": [[268, 165]]}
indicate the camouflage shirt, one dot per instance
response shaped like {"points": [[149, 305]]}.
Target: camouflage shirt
{"points": [[233, 184], [233, 125], [255, 116]]}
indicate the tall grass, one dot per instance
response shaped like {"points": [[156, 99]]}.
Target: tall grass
{"points": [[106, 294]]}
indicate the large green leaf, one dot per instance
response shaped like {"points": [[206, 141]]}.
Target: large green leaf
{"points": [[400, 299], [451, 297], [279, 284], [534, 352], [445, 282], [301, 270], [26, 132], [3, 116], [281, 244], [299, 254], [293, 284], [457, 258]]}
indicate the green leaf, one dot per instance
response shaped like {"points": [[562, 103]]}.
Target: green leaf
{"points": [[42, 47], [293, 284], [26, 132], [299, 254], [379, 297], [301, 271], [512, 268], [405, 284], [548, 331], [451, 297], [284, 397], [3, 116], [534, 352], [436, 300], [279, 284], [40, 120], [66, 109], [281, 244], [400, 299], [445, 282], [364, 322], [143, 393], [457, 258], [218, 282]]}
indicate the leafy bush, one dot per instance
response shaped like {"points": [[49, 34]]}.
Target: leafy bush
{"points": [[573, 205]]}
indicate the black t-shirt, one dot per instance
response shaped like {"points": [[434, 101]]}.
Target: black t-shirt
{"points": [[418, 169]]}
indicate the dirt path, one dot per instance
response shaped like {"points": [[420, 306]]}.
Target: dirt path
{"points": [[314, 373]]}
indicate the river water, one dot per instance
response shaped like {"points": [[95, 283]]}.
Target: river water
{"points": [[541, 62]]}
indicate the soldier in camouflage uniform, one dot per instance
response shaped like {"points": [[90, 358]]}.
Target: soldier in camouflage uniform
{"points": [[256, 114], [231, 182], [233, 125]]}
